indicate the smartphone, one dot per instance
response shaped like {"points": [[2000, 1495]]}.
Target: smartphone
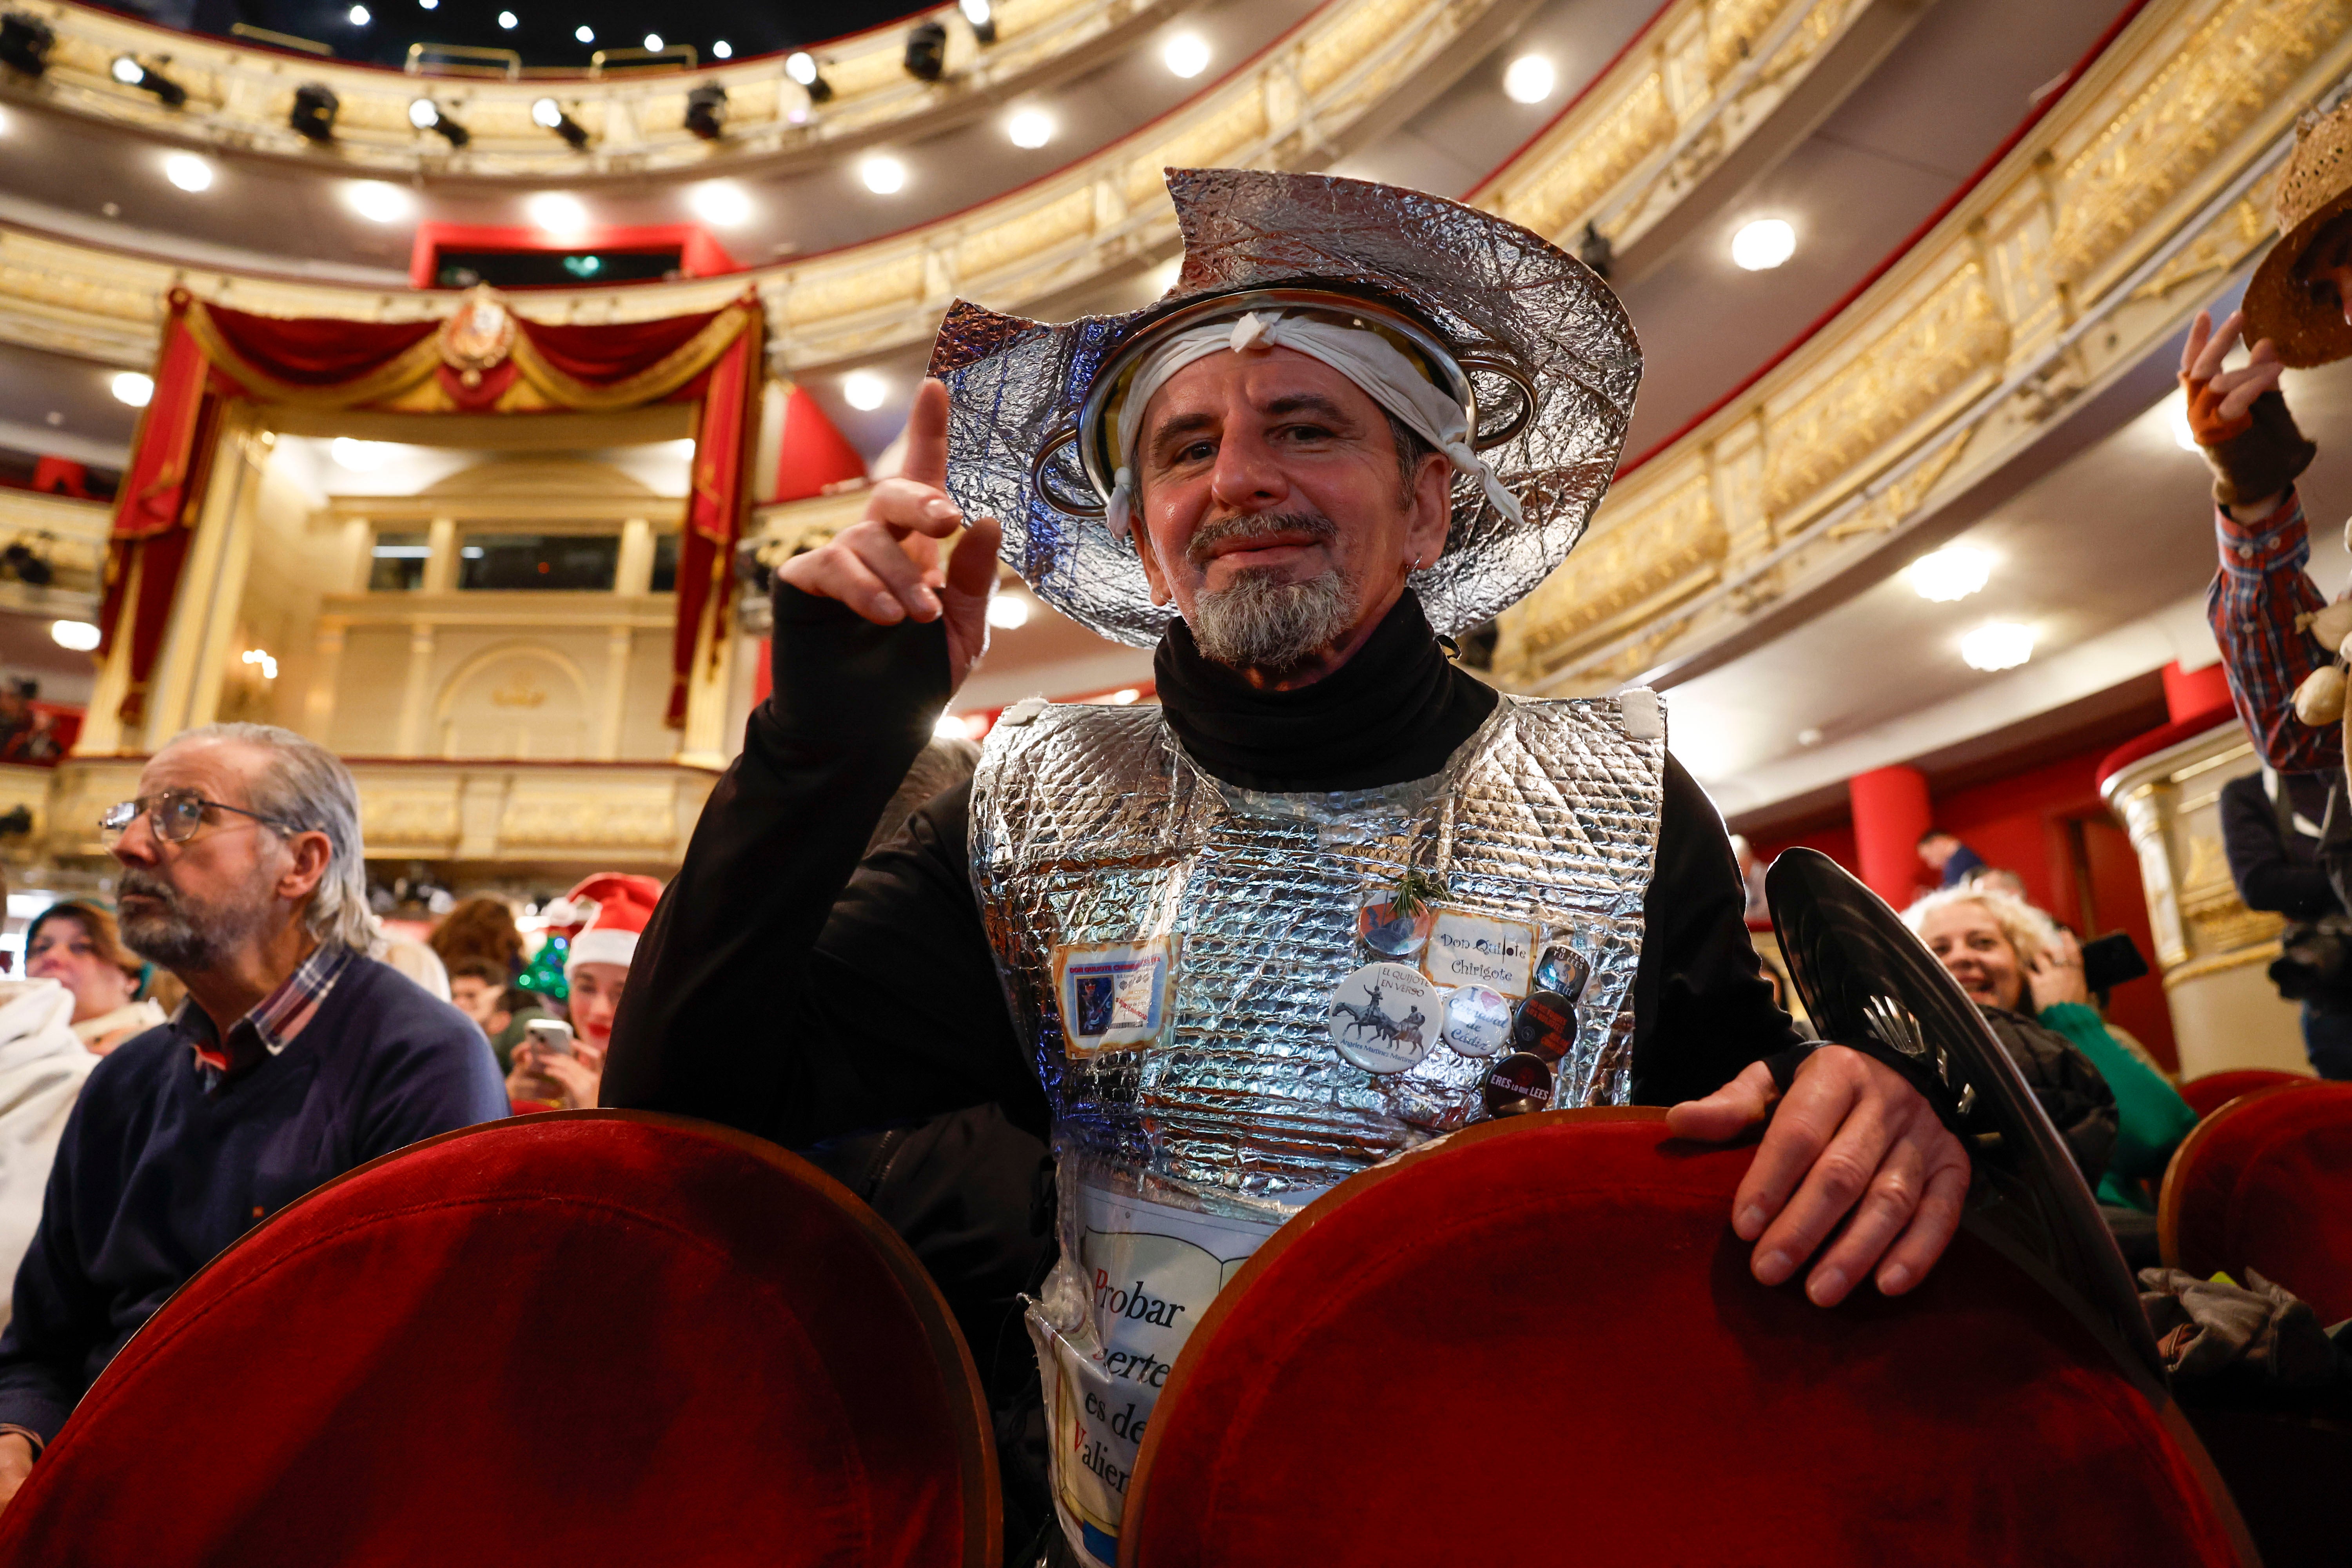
{"points": [[552, 1036], [2110, 961]]}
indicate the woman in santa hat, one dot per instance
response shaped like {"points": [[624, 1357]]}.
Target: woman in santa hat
{"points": [[606, 915]]}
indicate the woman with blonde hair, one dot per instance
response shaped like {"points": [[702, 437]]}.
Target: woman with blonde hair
{"points": [[2026, 975], [76, 943]]}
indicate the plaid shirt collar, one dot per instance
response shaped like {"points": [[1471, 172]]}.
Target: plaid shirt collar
{"points": [[275, 1020]]}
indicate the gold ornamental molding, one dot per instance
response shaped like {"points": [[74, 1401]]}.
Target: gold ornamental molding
{"points": [[1337, 78], [239, 97], [2111, 221]]}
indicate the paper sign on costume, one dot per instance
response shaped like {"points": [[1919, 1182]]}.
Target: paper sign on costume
{"points": [[1149, 1272], [1467, 949], [1115, 994]]}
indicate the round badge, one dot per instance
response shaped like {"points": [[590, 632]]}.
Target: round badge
{"points": [[1562, 969], [1546, 1026], [1518, 1084], [1385, 1017], [1390, 934], [1477, 1021]]}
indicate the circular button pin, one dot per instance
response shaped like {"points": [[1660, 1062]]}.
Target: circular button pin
{"points": [[1546, 1026], [1519, 1083], [1562, 969], [1385, 1017], [1477, 1021], [1392, 935]]}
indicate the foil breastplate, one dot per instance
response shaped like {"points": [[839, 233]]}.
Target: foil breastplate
{"points": [[1180, 1153], [1090, 824]]}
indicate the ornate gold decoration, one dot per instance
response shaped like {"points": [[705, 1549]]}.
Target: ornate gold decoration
{"points": [[615, 817], [479, 337], [2146, 170], [518, 692], [1622, 569], [408, 819]]}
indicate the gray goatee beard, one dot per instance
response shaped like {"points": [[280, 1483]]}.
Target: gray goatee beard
{"points": [[186, 933], [1262, 621]]}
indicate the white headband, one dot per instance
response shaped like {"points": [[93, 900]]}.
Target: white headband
{"points": [[1363, 356]]}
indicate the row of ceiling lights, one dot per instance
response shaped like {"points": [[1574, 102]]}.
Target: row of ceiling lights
{"points": [[1947, 575]]}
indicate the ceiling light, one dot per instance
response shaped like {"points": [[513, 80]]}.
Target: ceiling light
{"points": [[1952, 573], [585, 33], [427, 4], [720, 202], [359, 17], [314, 114], [1762, 245], [927, 51], [1529, 80], [78, 636], [131, 387], [653, 43], [426, 115], [883, 175], [722, 50], [24, 43], [360, 456], [262, 657], [1029, 128], [548, 114], [800, 66], [188, 172], [864, 390], [131, 73], [1998, 645], [1187, 54], [557, 213], [2176, 415], [982, 17], [951, 728], [506, 20], [705, 111], [376, 201], [1124, 696], [1009, 611]]}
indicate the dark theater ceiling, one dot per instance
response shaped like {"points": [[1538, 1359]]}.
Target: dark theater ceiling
{"points": [[545, 31]]}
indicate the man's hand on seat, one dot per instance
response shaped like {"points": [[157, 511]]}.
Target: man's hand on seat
{"points": [[886, 565], [1852, 1140]]}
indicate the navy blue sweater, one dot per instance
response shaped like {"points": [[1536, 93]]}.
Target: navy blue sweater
{"points": [[157, 1174]]}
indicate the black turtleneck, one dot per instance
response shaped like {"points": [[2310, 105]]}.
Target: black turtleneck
{"points": [[789, 988], [1393, 712]]}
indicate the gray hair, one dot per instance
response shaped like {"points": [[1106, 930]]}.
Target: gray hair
{"points": [[2030, 931], [306, 784]]}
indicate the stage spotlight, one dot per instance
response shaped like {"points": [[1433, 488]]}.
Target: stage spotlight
{"points": [[548, 115], [864, 390], [131, 73], [927, 51], [426, 115], [134, 387], [982, 17], [378, 202], [80, 635], [558, 213], [1762, 245], [314, 111], [706, 112], [24, 43], [883, 175], [585, 33], [1187, 54], [188, 172], [800, 66], [1029, 128], [722, 50], [721, 202]]}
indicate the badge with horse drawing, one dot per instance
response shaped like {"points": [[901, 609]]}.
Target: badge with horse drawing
{"points": [[1385, 1017]]}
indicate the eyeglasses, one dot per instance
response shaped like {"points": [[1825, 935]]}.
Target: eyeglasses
{"points": [[175, 816]]}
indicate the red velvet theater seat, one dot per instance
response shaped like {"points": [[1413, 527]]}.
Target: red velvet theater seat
{"points": [[580, 1338], [2266, 1183], [1538, 1343], [2209, 1093]]}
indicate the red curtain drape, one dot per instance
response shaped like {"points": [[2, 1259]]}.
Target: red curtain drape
{"points": [[211, 353], [156, 505], [714, 512]]}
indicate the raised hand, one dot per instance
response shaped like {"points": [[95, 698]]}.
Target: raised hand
{"points": [[2055, 974], [2231, 392], [886, 566]]}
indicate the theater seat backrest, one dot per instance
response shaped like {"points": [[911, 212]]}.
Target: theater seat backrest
{"points": [[2209, 1093], [584, 1337], [2265, 1183], [1538, 1342]]}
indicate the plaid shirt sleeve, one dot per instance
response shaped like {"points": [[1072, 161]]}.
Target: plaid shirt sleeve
{"points": [[2260, 589]]}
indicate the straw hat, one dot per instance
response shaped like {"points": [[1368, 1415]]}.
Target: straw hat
{"points": [[2315, 188], [1527, 337]]}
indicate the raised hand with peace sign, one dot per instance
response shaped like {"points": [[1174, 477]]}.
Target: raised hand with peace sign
{"points": [[886, 565]]}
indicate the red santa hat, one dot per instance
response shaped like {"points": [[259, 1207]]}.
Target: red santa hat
{"points": [[603, 916]]}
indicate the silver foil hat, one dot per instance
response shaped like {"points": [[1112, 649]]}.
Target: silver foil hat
{"points": [[1547, 352]]}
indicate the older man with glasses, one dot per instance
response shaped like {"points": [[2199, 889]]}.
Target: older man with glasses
{"points": [[294, 1058]]}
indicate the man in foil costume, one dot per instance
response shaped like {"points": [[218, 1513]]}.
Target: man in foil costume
{"points": [[1334, 896]]}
